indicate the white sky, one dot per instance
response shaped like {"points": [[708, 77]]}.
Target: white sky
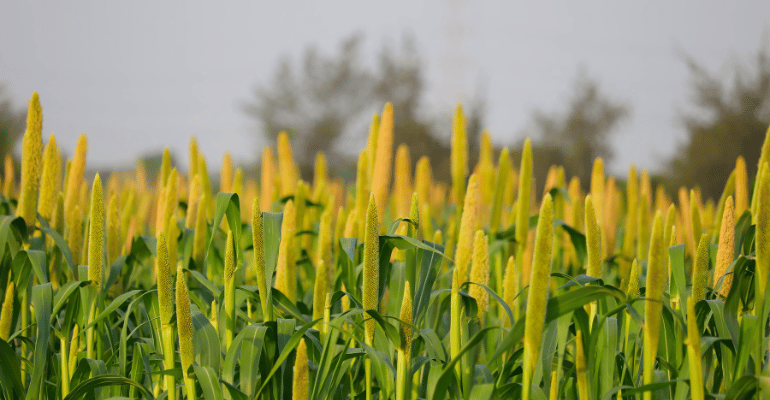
{"points": [[139, 75]]}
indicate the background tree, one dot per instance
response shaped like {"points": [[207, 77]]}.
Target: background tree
{"points": [[325, 99], [12, 124], [574, 138], [730, 119]]}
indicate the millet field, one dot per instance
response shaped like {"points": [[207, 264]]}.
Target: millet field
{"points": [[394, 286]]}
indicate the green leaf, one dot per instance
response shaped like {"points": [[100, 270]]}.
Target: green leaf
{"points": [[209, 381], [89, 385], [10, 372], [271, 231], [578, 240], [443, 381], [205, 341], [59, 242], [227, 205], [42, 297], [678, 272], [251, 352], [577, 298], [429, 265], [287, 349], [112, 307]]}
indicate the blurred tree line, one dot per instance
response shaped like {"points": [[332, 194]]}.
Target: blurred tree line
{"points": [[730, 119], [12, 124], [325, 103], [321, 99]]}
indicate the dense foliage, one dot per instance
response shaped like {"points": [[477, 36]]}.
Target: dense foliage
{"points": [[392, 286]]}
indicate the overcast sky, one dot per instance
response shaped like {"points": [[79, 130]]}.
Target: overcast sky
{"points": [[139, 75]]}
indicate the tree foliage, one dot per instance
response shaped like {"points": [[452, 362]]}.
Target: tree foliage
{"points": [[730, 119], [12, 122], [581, 133], [323, 98]]}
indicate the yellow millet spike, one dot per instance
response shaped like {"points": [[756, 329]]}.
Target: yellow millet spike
{"points": [[632, 290], [406, 316], [351, 226], [170, 202], [229, 295], [382, 162], [96, 234], [199, 237], [287, 169], [762, 159], [193, 151], [510, 284], [402, 185], [695, 220], [459, 155], [226, 174], [726, 249], [259, 255], [577, 199], [597, 187], [300, 385], [371, 144], [741, 187], [537, 296], [285, 277], [50, 179], [500, 184], [362, 188], [113, 230], [74, 349], [320, 289], [480, 274], [523, 201], [31, 162], [467, 227], [165, 281], [700, 269], [238, 182], [141, 178], [320, 175], [423, 179], [75, 177], [554, 392], [250, 192], [763, 229], [165, 167], [643, 229], [214, 317], [267, 177], [593, 241], [371, 266], [193, 198], [185, 329], [8, 177], [6, 315], [656, 279]]}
